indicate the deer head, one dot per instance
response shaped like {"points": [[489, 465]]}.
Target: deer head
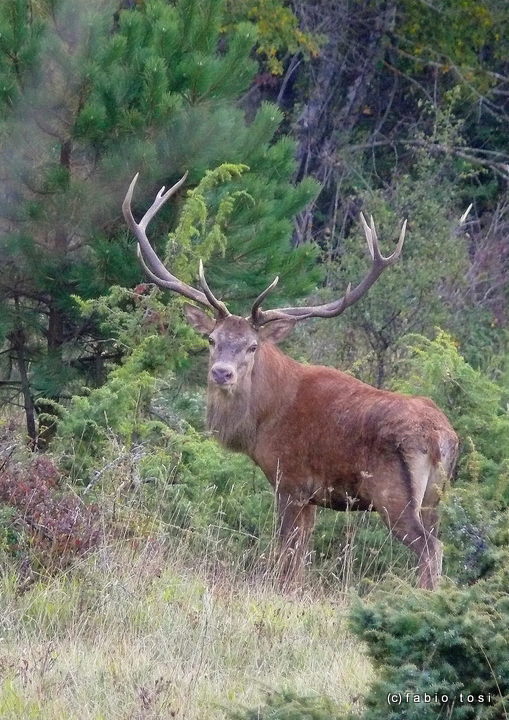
{"points": [[234, 341]]}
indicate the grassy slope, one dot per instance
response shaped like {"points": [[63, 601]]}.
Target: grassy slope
{"points": [[141, 634]]}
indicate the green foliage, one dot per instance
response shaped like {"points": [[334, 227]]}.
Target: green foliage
{"points": [[152, 89], [461, 31], [227, 492], [162, 58], [451, 643], [279, 32], [19, 45], [11, 535], [117, 409], [416, 294], [194, 226]]}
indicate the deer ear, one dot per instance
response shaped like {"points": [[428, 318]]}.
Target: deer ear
{"points": [[201, 322], [276, 330]]}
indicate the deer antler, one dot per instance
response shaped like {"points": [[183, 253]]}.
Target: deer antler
{"points": [[162, 277], [336, 307], [152, 265], [214, 302], [255, 310]]}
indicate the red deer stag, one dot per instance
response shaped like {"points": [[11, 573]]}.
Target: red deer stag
{"points": [[320, 436]]}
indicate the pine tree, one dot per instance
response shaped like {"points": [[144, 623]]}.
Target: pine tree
{"points": [[91, 95]]}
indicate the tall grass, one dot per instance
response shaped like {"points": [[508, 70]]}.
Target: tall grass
{"points": [[153, 630]]}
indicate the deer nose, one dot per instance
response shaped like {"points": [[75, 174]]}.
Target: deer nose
{"points": [[222, 374]]}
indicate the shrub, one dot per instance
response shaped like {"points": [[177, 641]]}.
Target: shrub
{"points": [[434, 650], [43, 525]]}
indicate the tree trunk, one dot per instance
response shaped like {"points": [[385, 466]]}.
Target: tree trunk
{"points": [[340, 85], [55, 337], [55, 341], [28, 402], [18, 341], [380, 368], [56, 322]]}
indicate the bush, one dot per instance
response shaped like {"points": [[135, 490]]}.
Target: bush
{"points": [[41, 524], [434, 650]]}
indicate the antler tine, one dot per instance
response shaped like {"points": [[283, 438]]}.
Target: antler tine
{"points": [[151, 263], [465, 215], [374, 237], [155, 279], [159, 201], [217, 304], [368, 232], [399, 247], [139, 229], [374, 246], [255, 310], [351, 296]]}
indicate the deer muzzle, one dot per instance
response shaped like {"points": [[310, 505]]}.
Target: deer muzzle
{"points": [[223, 375]]}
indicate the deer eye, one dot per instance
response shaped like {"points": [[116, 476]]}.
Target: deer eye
{"points": [[252, 348], [212, 342]]}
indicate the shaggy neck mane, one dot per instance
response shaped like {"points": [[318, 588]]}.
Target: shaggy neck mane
{"points": [[234, 417]]}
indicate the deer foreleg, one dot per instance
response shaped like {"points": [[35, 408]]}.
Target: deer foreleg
{"points": [[296, 521]]}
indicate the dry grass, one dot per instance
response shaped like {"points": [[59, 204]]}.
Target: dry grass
{"points": [[141, 634]]}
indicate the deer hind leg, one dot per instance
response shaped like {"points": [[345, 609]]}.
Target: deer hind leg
{"points": [[410, 530], [400, 506], [439, 476], [296, 521], [429, 508]]}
